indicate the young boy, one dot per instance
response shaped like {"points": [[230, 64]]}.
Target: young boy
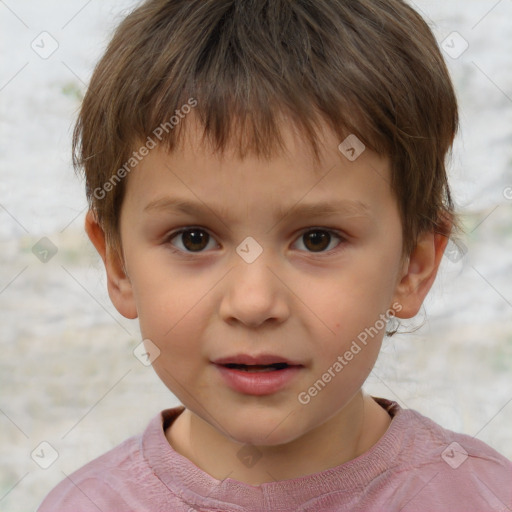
{"points": [[267, 190]]}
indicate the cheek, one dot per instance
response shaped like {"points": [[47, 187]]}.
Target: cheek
{"points": [[352, 298], [173, 311], [169, 305], [373, 279], [173, 318]]}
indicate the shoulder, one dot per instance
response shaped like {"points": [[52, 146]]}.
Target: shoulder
{"points": [[449, 470], [453, 448], [98, 484]]}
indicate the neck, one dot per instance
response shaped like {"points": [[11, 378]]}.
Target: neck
{"points": [[343, 437]]}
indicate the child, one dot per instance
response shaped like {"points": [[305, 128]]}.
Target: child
{"points": [[304, 142]]}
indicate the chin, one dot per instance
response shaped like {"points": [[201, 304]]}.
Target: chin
{"points": [[263, 432]]}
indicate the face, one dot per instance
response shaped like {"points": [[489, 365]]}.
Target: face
{"points": [[257, 265]]}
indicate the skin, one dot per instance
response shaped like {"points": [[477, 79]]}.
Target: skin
{"points": [[303, 302]]}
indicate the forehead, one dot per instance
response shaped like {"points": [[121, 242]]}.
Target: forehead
{"points": [[195, 172]]}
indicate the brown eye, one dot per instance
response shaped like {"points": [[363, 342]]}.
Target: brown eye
{"points": [[195, 240], [192, 239], [318, 240]]}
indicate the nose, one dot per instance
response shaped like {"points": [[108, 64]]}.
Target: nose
{"points": [[254, 294]]}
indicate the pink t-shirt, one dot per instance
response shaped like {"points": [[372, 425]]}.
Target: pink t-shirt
{"points": [[416, 466]]}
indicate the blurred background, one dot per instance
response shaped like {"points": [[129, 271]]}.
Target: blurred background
{"points": [[69, 377]]}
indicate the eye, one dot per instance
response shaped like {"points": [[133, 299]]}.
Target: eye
{"points": [[318, 239], [194, 239]]}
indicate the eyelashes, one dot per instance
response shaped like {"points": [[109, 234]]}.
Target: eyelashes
{"points": [[196, 239]]}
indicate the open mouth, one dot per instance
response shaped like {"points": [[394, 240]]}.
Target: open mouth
{"points": [[258, 379], [257, 367]]}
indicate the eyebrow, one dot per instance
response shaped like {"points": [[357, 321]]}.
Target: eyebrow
{"points": [[349, 208]]}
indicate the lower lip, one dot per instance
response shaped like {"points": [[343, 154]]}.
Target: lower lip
{"points": [[258, 383]]}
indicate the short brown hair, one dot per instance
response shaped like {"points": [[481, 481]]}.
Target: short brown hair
{"points": [[368, 67]]}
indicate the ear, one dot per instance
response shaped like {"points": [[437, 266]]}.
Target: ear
{"points": [[118, 283], [419, 273]]}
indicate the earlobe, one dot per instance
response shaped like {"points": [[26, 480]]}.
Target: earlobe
{"points": [[118, 283], [419, 273]]}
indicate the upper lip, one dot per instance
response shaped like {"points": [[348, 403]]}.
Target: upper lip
{"points": [[261, 359]]}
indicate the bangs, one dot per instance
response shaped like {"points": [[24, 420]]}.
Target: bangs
{"points": [[253, 128]]}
